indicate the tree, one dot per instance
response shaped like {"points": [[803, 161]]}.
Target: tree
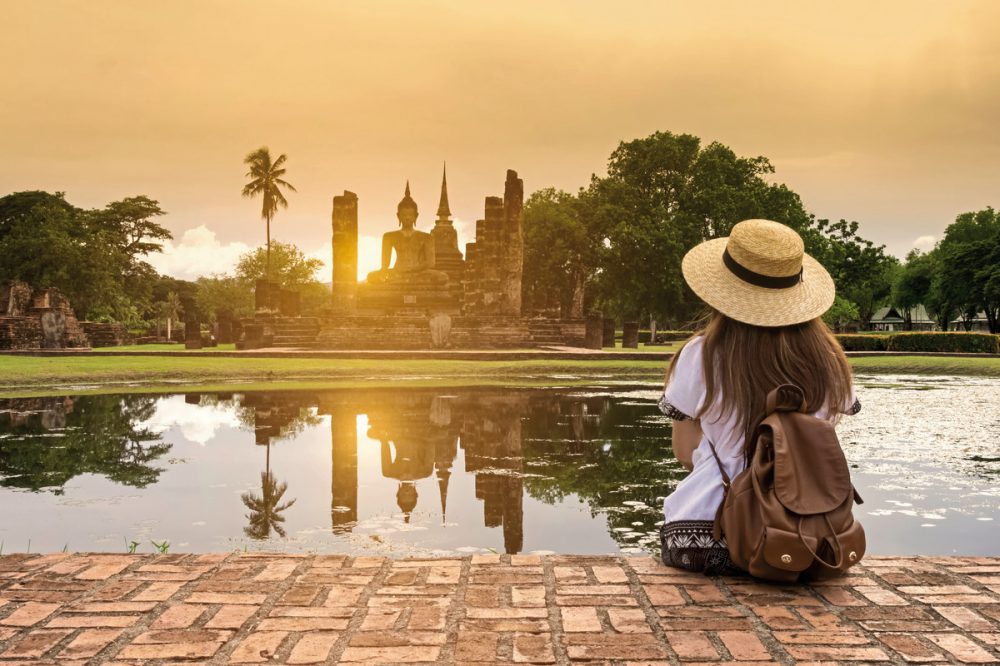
{"points": [[664, 194], [863, 272], [170, 309], [840, 314], [266, 181], [266, 508], [913, 284], [223, 294], [289, 266], [560, 253], [969, 270], [95, 257]]}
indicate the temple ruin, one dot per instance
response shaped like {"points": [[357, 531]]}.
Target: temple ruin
{"points": [[426, 294]]}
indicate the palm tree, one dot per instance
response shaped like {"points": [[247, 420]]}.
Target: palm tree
{"points": [[265, 509], [170, 309], [265, 180]]}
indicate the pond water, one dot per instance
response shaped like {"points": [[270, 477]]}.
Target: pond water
{"points": [[412, 471]]}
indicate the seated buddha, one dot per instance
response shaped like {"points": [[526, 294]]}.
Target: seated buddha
{"points": [[414, 252]]}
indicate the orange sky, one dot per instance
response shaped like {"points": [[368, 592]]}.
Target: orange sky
{"points": [[883, 112]]}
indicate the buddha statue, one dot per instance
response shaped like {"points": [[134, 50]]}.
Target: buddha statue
{"points": [[414, 252]]}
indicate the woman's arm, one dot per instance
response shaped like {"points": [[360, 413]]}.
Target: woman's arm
{"points": [[686, 437]]}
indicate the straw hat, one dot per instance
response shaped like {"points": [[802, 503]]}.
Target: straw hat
{"points": [[760, 275]]}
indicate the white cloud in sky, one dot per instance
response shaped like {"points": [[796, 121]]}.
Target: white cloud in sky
{"points": [[925, 243], [198, 253]]}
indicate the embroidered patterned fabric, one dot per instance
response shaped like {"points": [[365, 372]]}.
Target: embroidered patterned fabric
{"points": [[670, 411], [688, 544]]}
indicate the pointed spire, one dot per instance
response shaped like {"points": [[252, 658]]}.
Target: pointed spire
{"points": [[444, 212], [443, 475], [407, 193]]}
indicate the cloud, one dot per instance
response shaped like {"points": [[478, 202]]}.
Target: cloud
{"points": [[925, 243], [198, 253], [197, 423]]}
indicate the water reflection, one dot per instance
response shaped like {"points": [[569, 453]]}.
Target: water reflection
{"points": [[409, 471], [46, 442]]}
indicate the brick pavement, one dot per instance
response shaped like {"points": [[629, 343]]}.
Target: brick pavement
{"points": [[77, 609]]}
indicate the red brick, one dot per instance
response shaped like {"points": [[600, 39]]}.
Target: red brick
{"points": [[664, 595], [962, 648], [528, 596], [380, 618], [691, 645], [533, 649], [178, 617], [302, 624], [821, 637], [881, 596], [258, 647], [821, 653], [222, 598], [313, 648], [29, 614], [427, 617], [580, 619], [965, 618], [278, 570], [104, 570], [37, 643], [580, 647], [610, 574], [910, 647], [89, 642], [744, 645], [149, 651], [392, 655], [93, 620], [158, 591], [477, 646], [629, 620], [231, 617]]}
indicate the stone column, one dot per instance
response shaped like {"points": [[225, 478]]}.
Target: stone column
{"points": [[512, 248], [608, 333], [594, 332], [192, 332], [345, 250], [630, 335], [343, 468]]}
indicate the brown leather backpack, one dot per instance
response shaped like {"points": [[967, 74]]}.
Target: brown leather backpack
{"points": [[788, 514]]}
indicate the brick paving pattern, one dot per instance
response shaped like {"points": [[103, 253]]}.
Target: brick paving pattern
{"points": [[77, 609]]}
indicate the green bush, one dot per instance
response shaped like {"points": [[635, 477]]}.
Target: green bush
{"points": [[972, 343], [863, 342]]}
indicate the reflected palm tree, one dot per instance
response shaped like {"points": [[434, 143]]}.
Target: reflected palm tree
{"points": [[265, 509]]}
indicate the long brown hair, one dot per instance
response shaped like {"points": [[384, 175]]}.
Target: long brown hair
{"points": [[742, 363]]}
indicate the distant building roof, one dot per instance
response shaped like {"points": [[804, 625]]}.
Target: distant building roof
{"points": [[891, 315]]}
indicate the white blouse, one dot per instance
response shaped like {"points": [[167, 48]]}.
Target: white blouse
{"points": [[698, 495]]}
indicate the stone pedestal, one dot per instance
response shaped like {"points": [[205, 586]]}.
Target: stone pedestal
{"points": [[192, 333], [224, 329], [593, 337], [630, 335], [608, 333]]}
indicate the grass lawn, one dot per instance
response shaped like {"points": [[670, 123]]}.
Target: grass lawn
{"points": [[27, 375]]}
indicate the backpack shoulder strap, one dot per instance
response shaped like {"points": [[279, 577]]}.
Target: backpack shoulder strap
{"points": [[726, 483]]}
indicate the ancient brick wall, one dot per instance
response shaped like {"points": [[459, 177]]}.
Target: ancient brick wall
{"points": [[37, 319], [494, 261], [106, 334]]}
